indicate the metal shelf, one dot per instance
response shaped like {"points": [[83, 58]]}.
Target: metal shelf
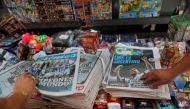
{"points": [[70, 24], [100, 23], [132, 21]]}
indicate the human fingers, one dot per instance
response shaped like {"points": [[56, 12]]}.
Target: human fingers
{"points": [[36, 81], [154, 85], [35, 90], [150, 79], [25, 75], [145, 76]]}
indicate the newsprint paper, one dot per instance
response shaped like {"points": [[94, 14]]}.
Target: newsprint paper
{"points": [[8, 76], [57, 73], [128, 65]]}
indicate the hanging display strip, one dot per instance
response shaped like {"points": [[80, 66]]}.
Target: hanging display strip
{"points": [[41, 10], [54, 11], [139, 8], [23, 10], [83, 12], [44, 11], [101, 9]]}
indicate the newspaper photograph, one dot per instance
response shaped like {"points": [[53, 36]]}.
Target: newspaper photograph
{"points": [[86, 64], [57, 73], [130, 63]]}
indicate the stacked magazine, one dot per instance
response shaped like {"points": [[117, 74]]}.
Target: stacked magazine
{"points": [[72, 78], [129, 63]]}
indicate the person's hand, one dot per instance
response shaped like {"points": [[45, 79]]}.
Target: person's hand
{"points": [[26, 85], [156, 78]]}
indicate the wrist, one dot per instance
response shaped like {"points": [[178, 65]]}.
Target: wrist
{"points": [[22, 94], [16, 101], [172, 73]]}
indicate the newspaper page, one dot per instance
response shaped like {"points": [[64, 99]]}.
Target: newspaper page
{"points": [[7, 59], [129, 64], [57, 73], [7, 77], [89, 63]]}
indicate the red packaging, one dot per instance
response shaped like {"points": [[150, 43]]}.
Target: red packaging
{"points": [[90, 42], [101, 100]]}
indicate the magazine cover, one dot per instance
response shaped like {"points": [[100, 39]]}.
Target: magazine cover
{"points": [[57, 73], [7, 77], [129, 64]]}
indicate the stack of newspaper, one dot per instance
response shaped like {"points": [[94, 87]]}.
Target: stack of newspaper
{"points": [[129, 63], [72, 78]]}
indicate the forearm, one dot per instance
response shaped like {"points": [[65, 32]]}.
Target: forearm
{"points": [[16, 101], [182, 66]]}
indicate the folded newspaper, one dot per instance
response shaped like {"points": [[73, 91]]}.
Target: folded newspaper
{"points": [[57, 73], [92, 68], [7, 77], [129, 63]]}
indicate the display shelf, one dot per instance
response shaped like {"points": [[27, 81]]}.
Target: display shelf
{"points": [[132, 21], [70, 24], [152, 34], [100, 23]]}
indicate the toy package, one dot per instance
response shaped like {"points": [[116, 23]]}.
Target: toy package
{"points": [[67, 38], [179, 27], [28, 11], [101, 9], [83, 12], [187, 87], [172, 53], [101, 100], [182, 82], [54, 11], [182, 100], [139, 8], [23, 10]]}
